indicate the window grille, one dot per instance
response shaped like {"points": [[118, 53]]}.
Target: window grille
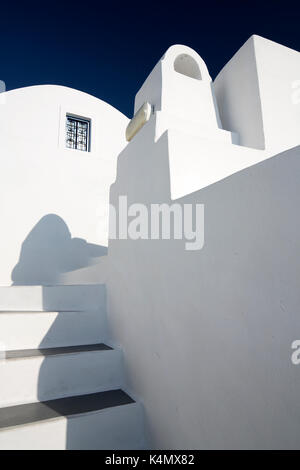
{"points": [[77, 133]]}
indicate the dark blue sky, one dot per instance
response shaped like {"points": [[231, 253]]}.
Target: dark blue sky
{"points": [[108, 48]]}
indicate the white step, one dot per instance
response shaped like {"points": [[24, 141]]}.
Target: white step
{"points": [[31, 330], [116, 426], [53, 298], [28, 376]]}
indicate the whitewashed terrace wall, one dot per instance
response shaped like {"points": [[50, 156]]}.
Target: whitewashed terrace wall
{"points": [[207, 334]]}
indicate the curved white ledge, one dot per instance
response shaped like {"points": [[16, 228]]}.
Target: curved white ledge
{"points": [[137, 122]]}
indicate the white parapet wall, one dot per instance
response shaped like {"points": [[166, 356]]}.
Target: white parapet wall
{"points": [[207, 334], [54, 200], [258, 95]]}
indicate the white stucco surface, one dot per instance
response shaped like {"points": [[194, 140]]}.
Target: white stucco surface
{"points": [[237, 93], [258, 95], [207, 334], [39, 177], [183, 95], [278, 69], [117, 428]]}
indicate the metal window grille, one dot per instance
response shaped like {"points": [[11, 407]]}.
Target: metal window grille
{"points": [[77, 133]]}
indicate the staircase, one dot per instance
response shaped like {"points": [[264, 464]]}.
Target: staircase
{"points": [[60, 382]]}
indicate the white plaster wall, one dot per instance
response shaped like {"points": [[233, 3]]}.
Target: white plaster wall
{"points": [[237, 93], [117, 428], [180, 96], [258, 95], [197, 157], [278, 69], [207, 335], [39, 176]]}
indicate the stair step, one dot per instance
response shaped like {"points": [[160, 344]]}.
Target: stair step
{"points": [[106, 420], [34, 330], [49, 298], [44, 374], [40, 411], [23, 353], [60, 384]]}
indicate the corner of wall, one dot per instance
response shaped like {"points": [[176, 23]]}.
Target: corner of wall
{"points": [[238, 97]]}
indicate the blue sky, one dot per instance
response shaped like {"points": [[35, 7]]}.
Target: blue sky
{"points": [[108, 48]]}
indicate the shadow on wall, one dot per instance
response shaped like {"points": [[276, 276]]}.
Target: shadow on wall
{"points": [[49, 251], [239, 292], [47, 254]]}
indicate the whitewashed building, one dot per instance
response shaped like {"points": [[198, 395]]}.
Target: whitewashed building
{"points": [[146, 344]]}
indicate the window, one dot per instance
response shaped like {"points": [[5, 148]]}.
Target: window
{"points": [[77, 133], [186, 65]]}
